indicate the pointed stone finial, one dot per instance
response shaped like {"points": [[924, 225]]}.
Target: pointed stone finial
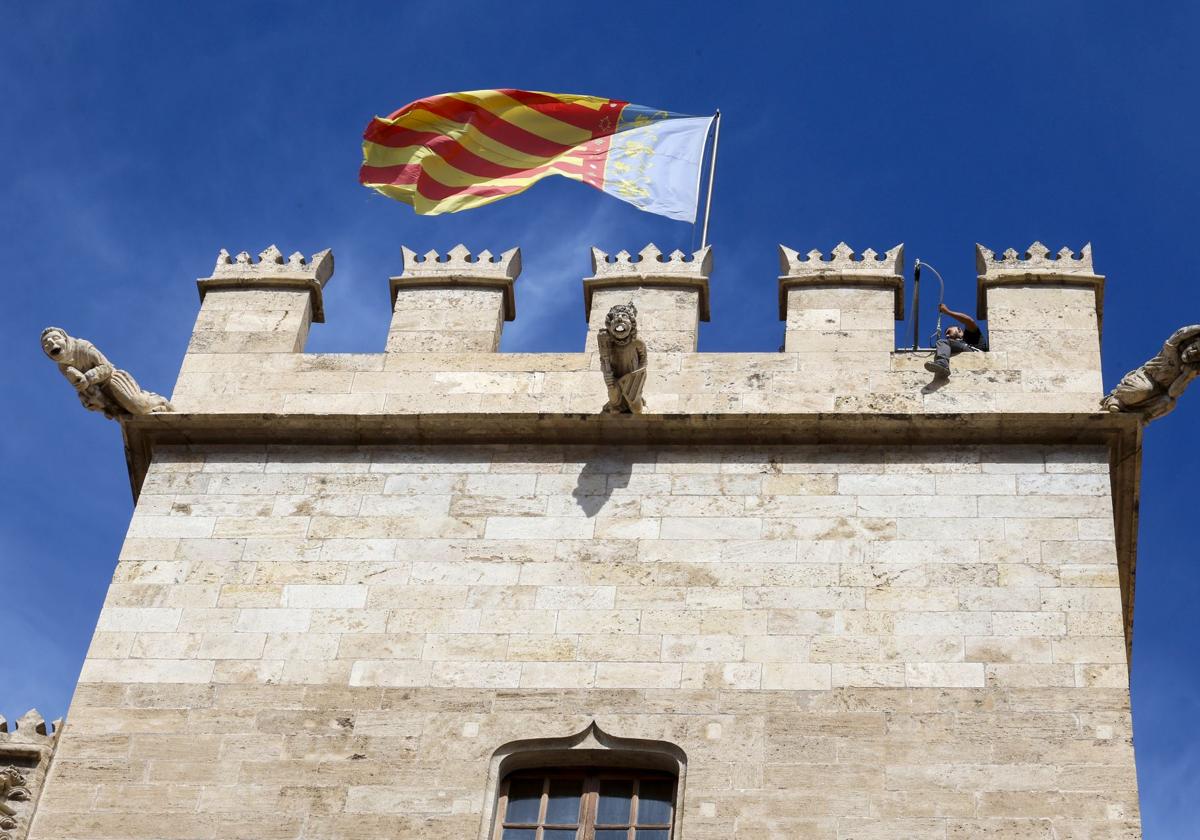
{"points": [[32, 721], [842, 260], [3, 724], [1036, 260]]}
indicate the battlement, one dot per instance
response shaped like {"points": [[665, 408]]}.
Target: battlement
{"points": [[650, 262], [1036, 259], [1020, 293], [460, 262], [842, 260], [448, 309], [30, 728]]}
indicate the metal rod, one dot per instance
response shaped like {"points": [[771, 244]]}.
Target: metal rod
{"points": [[712, 170], [916, 305]]}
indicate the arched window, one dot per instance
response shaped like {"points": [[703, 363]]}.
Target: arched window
{"points": [[587, 786], [592, 803]]}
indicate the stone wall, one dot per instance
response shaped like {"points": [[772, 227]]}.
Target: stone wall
{"points": [[865, 642]]}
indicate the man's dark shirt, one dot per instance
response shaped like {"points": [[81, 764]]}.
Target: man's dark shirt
{"points": [[974, 337]]}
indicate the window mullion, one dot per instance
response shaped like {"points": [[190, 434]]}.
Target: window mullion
{"points": [[501, 810], [543, 806], [591, 800]]}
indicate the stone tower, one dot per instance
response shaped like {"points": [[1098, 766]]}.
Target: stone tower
{"points": [[434, 592]]}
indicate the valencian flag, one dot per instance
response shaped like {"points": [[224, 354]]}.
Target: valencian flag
{"points": [[456, 151]]}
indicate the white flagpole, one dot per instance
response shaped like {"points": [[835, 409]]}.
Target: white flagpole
{"points": [[712, 170]]}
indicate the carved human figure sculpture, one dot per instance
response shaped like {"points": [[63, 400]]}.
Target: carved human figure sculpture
{"points": [[1152, 389], [622, 360], [101, 387]]}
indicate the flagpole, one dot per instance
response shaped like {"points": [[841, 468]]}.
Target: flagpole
{"points": [[712, 170]]}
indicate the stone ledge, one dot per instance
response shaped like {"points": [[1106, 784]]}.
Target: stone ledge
{"points": [[698, 284], [1038, 278], [450, 281], [841, 280], [270, 284]]}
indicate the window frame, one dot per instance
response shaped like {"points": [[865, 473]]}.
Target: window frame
{"points": [[591, 777]]}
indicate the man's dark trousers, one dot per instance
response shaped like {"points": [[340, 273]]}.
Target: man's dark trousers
{"points": [[948, 346]]}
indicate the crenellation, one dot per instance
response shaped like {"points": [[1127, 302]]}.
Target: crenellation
{"points": [[670, 293], [1035, 260], [456, 303], [260, 307], [844, 306]]}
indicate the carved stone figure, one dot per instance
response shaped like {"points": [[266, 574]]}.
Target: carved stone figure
{"points": [[12, 789], [1152, 389], [101, 387], [622, 360]]}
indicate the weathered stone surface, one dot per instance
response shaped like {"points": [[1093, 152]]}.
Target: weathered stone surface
{"points": [[886, 635], [1152, 389], [849, 605], [452, 304], [26, 748], [100, 386], [670, 292]]}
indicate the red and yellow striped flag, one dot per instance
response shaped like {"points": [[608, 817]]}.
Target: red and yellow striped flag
{"points": [[456, 151]]}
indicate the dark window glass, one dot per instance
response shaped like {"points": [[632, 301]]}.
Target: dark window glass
{"points": [[520, 833], [653, 834], [524, 800], [563, 807], [612, 834], [616, 795], [564, 834], [654, 804]]}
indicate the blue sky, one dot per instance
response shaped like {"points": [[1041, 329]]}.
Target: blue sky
{"points": [[143, 137]]}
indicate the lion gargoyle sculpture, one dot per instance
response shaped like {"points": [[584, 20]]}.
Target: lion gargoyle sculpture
{"points": [[101, 387], [1152, 389], [622, 360]]}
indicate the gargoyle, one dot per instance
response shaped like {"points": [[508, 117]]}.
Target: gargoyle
{"points": [[622, 360], [12, 789], [1152, 389], [101, 387]]}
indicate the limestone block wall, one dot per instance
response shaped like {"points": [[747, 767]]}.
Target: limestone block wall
{"points": [[318, 642]]}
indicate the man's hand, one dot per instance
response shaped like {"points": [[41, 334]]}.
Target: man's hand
{"points": [[76, 378], [944, 309]]}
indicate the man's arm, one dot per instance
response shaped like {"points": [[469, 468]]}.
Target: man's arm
{"points": [[962, 317]]}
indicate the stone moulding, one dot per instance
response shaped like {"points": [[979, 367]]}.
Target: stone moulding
{"points": [[272, 271], [650, 269], [843, 270], [1036, 267], [590, 746], [460, 267]]}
